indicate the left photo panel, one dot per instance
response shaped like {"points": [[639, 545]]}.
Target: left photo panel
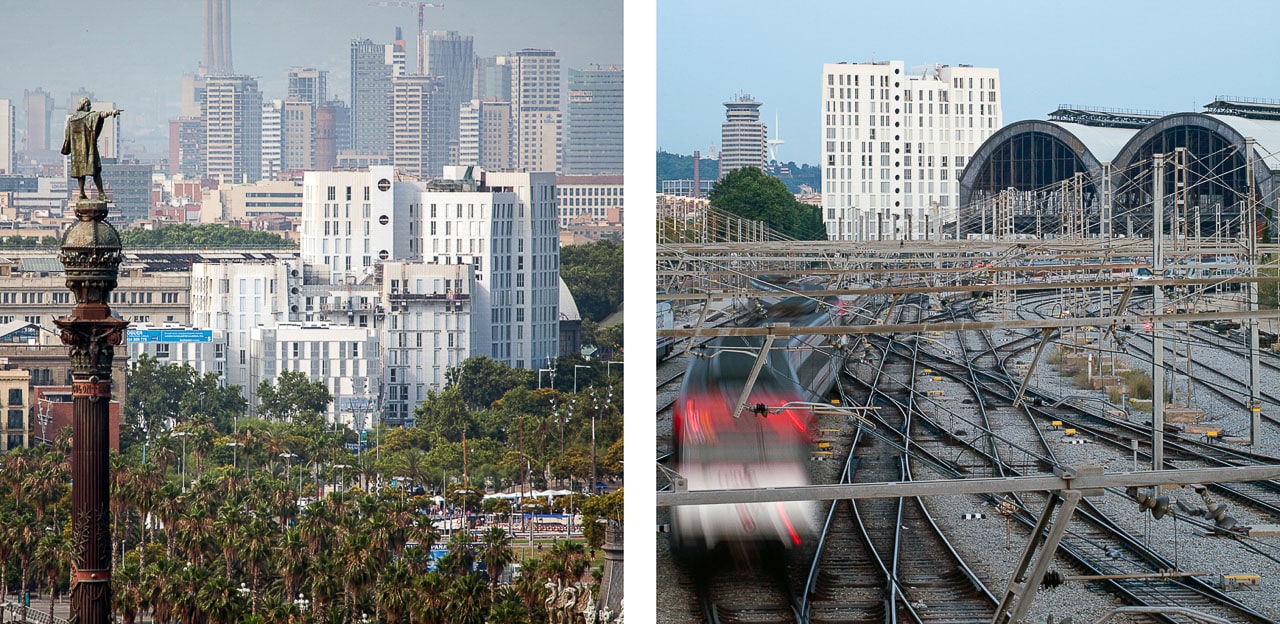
{"points": [[312, 312]]}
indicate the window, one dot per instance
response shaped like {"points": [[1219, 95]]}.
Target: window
{"points": [[15, 396], [333, 193]]}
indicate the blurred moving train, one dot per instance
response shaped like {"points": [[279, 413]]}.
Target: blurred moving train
{"points": [[768, 445]]}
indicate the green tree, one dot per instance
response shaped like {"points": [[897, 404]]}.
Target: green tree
{"points": [[482, 380], [294, 398], [753, 194], [596, 508], [206, 236], [593, 274]]}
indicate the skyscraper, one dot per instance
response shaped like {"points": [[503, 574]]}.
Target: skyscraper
{"points": [[39, 110], [297, 135], [272, 139], [418, 135], [742, 136], [593, 137], [492, 79], [186, 147], [6, 136], [309, 84], [485, 135], [535, 107], [450, 57], [373, 65], [894, 144], [215, 46], [233, 129]]}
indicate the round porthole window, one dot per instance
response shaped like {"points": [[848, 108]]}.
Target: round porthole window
{"points": [[384, 220], [383, 255], [384, 184]]}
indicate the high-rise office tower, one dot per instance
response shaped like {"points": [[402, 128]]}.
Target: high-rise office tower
{"points": [[233, 129], [215, 46], [297, 135], [485, 135], [6, 136], [309, 85], [419, 143], [450, 57], [39, 111], [109, 144], [593, 134], [535, 107], [895, 143], [373, 65], [492, 79], [272, 139], [742, 136]]}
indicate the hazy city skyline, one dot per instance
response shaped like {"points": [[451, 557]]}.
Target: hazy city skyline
{"points": [[1107, 54], [137, 57]]}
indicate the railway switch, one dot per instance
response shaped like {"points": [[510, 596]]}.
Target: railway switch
{"points": [[1229, 582]]}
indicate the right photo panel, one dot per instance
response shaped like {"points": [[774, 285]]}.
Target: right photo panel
{"points": [[966, 312]]}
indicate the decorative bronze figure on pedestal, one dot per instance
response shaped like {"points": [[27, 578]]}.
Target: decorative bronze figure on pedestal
{"points": [[91, 254]]}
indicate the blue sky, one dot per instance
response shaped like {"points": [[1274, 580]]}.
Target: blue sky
{"points": [[135, 53], [1164, 56]]}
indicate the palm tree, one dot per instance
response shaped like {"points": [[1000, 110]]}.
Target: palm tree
{"points": [[468, 600], [257, 544], [460, 555], [292, 561], [395, 593], [326, 583], [220, 600], [53, 551], [496, 554], [508, 607], [357, 564], [229, 525], [433, 597], [9, 531], [127, 589]]}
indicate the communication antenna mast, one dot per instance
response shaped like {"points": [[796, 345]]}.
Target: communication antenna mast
{"points": [[776, 141]]}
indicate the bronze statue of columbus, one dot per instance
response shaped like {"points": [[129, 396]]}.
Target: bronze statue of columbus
{"points": [[81, 143]]}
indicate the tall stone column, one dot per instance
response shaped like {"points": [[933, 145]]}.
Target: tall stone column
{"points": [[91, 254]]}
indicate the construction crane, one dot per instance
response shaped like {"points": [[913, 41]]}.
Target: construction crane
{"points": [[422, 55]]}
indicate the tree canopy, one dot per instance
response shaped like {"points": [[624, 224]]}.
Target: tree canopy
{"points": [[18, 241], [593, 273], [158, 392], [208, 235], [293, 397], [753, 194]]}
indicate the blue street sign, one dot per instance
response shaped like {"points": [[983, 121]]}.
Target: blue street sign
{"points": [[170, 335]]}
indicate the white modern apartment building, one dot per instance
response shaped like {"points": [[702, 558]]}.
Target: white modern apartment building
{"points": [[238, 297], [427, 330], [346, 358], [353, 219], [505, 224], [895, 143]]}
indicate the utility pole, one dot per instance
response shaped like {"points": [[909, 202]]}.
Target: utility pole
{"points": [[1251, 222], [1157, 310]]}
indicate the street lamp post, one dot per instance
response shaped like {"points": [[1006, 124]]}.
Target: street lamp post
{"points": [[608, 367], [183, 435], [288, 459], [575, 376], [234, 453]]}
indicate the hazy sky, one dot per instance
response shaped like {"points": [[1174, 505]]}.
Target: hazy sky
{"points": [[1166, 56], [136, 56]]}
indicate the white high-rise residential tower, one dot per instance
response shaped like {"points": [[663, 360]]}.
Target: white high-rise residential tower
{"points": [[6, 136], [895, 143]]}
